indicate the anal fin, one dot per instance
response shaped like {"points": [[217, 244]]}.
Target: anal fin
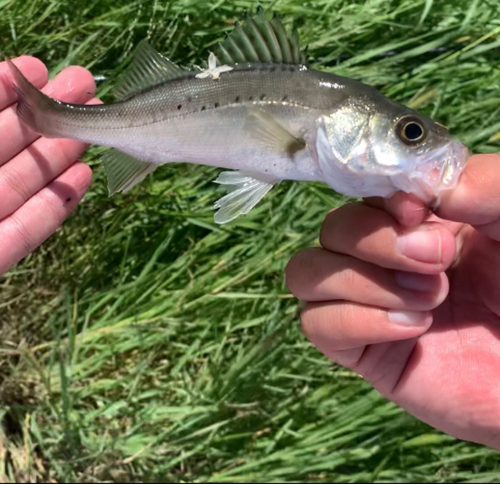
{"points": [[247, 191], [124, 171]]}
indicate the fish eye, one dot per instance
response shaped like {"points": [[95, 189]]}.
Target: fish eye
{"points": [[410, 131]]}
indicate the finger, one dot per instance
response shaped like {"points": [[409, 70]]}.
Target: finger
{"points": [[374, 236], [319, 275], [335, 327], [476, 199], [410, 211], [34, 167], [40, 216], [74, 84], [34, 70], [406, 208]]}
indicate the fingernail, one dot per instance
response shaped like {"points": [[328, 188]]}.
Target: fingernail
{"points": [[421, 245], [416, 282], [410, 318]]}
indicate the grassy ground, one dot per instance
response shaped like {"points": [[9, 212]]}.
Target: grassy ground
{"points": [[143, 342]]}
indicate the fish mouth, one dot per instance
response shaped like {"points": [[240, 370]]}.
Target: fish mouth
{"points": [[439, 173], [454, 165]]}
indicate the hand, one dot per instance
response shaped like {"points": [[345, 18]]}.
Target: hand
{"points": [[40, 182], [411, 302]]}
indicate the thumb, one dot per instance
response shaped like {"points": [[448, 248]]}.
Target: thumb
{"points": [[476, 199]]}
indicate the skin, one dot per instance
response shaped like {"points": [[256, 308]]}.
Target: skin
{"points": [[416, 316], [40, 180]]}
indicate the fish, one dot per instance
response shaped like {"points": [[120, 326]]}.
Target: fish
{"points": [[260, 111]]}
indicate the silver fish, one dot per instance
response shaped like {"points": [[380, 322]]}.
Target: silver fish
{"points": [[259, 110]]}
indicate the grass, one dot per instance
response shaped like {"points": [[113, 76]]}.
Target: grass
{"points": [[143, 342]]}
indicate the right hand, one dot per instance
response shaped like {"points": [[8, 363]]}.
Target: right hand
{"points": [[411, 302]]}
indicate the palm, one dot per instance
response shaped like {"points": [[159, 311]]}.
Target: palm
{"points": [[445, 376]]}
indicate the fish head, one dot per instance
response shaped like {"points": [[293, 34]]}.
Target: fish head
{"points": [[366, 151]]}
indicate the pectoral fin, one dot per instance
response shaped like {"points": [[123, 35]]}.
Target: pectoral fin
{"points": [[246, 192], [267, 131], [124, 171]]}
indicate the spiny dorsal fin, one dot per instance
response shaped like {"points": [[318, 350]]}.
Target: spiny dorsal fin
{"points": [[148, 68], [260, 40]]}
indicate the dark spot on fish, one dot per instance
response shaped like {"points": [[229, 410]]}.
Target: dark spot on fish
{"points": [[250, 98], [203, 108], [291, 69], [189, 99], [284, 98], [262, 97], [216, 105], [237, 99], [295, 146], [272, 69], [283, 69], [179, 106]]}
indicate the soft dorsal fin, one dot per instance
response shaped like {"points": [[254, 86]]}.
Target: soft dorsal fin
{"points": [[260, 40], [148, 68]]}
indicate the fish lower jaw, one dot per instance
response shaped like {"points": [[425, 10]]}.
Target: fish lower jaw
{"points": [[429, 184]]}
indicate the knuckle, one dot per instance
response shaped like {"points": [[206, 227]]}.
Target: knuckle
{"points": [[291, 272], [61, 152], [328, 227], [332, 325], [349, 281], [307, 321], [24, 235], [297, 271], [48, 203], [306, 270], [340, 225], [15, 182]]}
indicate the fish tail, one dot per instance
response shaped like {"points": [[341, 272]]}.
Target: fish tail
{"points": [[33, 105]]}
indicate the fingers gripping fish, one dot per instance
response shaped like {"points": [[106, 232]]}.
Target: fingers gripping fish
{"points": [[260, 111]]}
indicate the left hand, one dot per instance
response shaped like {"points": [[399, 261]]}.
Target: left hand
{"points": [[411, 301], [40, 180]]}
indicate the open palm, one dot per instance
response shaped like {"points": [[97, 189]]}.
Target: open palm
{"points": [[417, 318]]}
